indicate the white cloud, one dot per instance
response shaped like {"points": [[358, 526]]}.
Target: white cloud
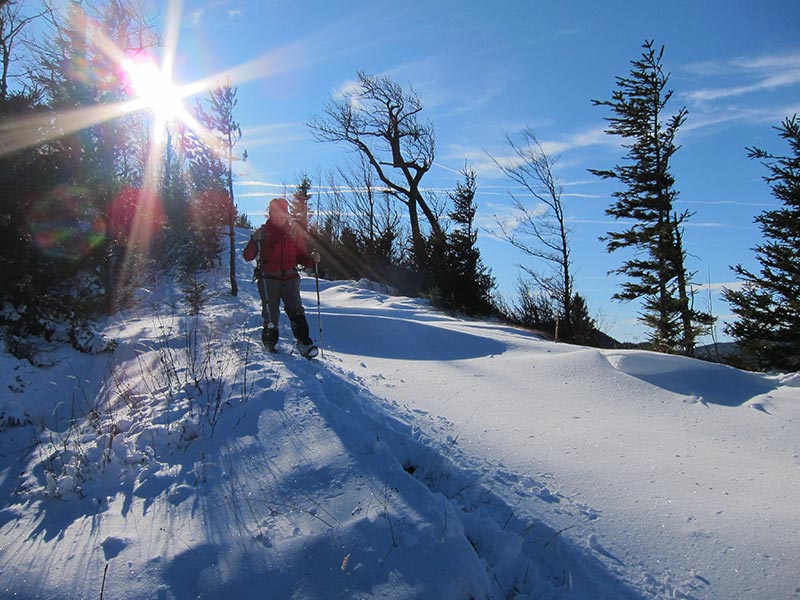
{"points": [[729, 202], [750, 75], [481, 159], [346, 89], [770, 62], [717, 288], [766, 83], [196, 16], [275, 134]]}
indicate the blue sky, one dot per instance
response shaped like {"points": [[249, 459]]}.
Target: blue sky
{"points": [[487, 69]]}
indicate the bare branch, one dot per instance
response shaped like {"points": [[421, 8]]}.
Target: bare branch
{"points": [[381, 121], [539, 232]]}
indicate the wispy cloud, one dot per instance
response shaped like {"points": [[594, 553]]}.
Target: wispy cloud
{"points": [[492, 85], [706, 225], [581, 139], [195, 17], [482, 160], [745, 75], [419, 75], [200, 15], [433, 82], [275, 134], [766, 83], [718, 287], [727, 202]]}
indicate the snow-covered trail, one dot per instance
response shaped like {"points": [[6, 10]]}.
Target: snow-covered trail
{"points": [[421, 457], [304, 484], [660, 465]]}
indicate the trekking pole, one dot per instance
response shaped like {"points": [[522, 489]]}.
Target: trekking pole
{"points": [[319, 310]]}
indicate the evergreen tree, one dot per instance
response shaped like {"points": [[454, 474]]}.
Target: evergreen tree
{"points": [[465, 284], [768, 304], [657, 274], [301, 207], [206, 176], [27, 272], [75, 73], [583, 329], [222, 101]]}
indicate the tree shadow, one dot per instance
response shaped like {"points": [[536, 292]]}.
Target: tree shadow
{"points": [[455, 497], [372, 334]]}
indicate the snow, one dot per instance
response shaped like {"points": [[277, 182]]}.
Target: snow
{"points": [[421, 456]]}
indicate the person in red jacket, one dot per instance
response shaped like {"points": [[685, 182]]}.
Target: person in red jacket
{"points": [[279, 248]]}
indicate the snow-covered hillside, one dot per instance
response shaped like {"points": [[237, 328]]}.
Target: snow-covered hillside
{"points": [[422, 456]]}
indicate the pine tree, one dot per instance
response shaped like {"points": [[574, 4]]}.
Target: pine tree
{"points": [[768, 304], [583, 328], [301, 207], [222, 101], [465, 283], [657, 274], [74, 72], [207, 178]]}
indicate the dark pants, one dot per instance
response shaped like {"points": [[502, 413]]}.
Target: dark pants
{"points": [[272, 292]]}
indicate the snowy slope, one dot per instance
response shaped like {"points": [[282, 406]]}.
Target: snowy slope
{"points": [[422, 456]]}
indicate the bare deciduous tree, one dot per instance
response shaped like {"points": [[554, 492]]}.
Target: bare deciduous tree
{"points": [[381, 121], [371, 215], [13, 22], [540, 231]]}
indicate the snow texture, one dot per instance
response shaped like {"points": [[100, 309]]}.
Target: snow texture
{"points": [[420, 456]]}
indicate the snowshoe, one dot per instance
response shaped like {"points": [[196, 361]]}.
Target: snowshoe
{"points": [[309, 350]]}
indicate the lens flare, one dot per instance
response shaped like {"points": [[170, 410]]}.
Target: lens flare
{"points": [[65, 224]]}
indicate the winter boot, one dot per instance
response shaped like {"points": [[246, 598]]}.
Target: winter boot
{"points": [[269, 336], [305, 345], [300, 329]]}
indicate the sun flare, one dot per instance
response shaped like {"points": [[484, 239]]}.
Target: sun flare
{"points": [[154, 88]]}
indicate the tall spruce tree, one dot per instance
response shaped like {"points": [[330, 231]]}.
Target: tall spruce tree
{"points": [[301, 204], [222, 101], [768, 304], [466, 284], [75, 73], [657, 274]]}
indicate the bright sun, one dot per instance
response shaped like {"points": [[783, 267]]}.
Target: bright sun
{"points": [[156, 91]]}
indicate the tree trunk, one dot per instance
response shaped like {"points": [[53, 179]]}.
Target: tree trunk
{"points": [[231, 216], [683, 297]]}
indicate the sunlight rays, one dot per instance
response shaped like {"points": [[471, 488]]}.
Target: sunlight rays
{"points": [[19, 134], [137, 83], [153, 85], [322, 45]]}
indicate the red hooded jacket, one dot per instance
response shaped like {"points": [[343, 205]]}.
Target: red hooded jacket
{"points": [[279, 250]]}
